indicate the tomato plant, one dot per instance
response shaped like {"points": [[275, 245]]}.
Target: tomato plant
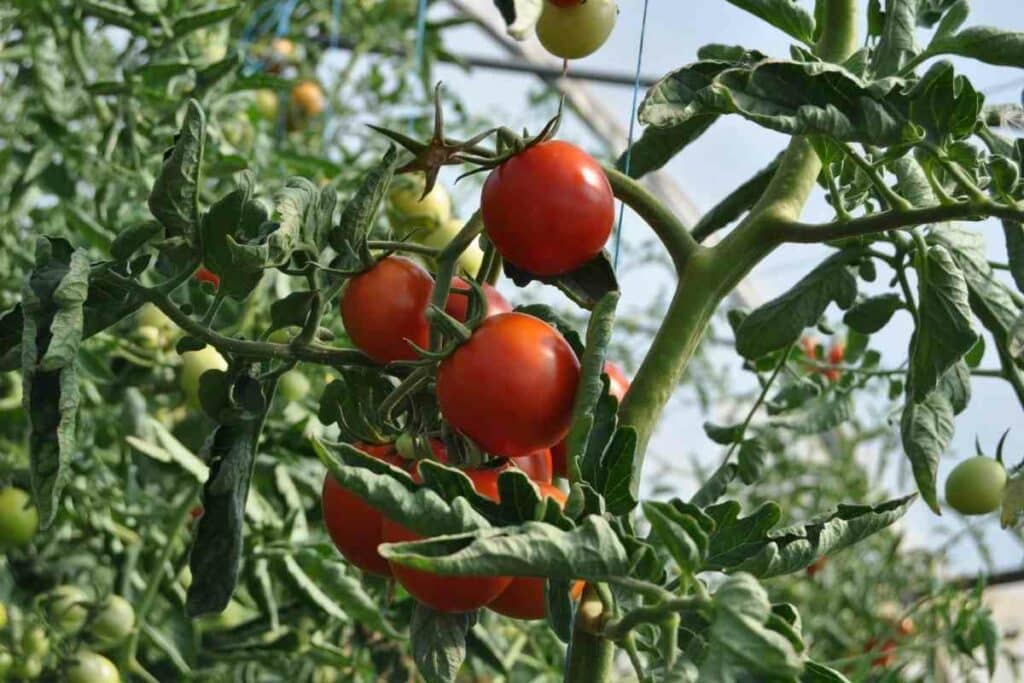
{"points": [[511, 387], [145, 154], [354, 525], [448, 594], [549, 209]]}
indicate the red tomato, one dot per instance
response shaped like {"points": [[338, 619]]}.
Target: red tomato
{"points": [[836, 353], [384, 309], [886, 656], [815, 567], [810, 347], [618, 386], [510, 387], [355, 526], [537, 466], [549, 209], [457, 305], [448, 593], [526, 597], [204, 274]]}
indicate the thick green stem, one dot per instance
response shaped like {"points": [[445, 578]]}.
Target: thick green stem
{"points": [[591, 656]]}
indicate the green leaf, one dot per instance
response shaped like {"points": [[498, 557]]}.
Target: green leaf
{"points": [[795, 98], [927, 428], [680, 533], [735, 204], [350, 402], [129, 241], [391, 490], [945, 104], [739, 640], [360, 213], [716, 485], [872, 314], [750, 460], [780, 322], [983, 43], [590, 387], [216, 554], [785, 15], [52, 301], [819, 673], [439, 642], [944, 333], [191, 22], [311, 589], [225, 228], [174, 200], [591, 551], [898, 42], [657, 146], [584, 286]]}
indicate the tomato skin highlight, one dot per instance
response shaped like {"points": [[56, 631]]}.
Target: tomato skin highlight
{"points": [[448, 593], [457, 305], [384, 309], [976, 486], [353, 524], [526, 596], [549, 209], [511, 387]]}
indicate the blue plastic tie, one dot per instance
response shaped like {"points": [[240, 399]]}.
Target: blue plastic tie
{"points": [[632, 124]]}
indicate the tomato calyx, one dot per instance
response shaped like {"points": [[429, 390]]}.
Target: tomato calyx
{"points": [[439, 151]]}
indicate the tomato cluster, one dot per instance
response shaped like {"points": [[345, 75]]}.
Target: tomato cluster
{"points": [[357, 529], [834, 358]]}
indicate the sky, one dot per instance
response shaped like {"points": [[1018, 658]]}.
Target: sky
{"points": [[729, 153]]}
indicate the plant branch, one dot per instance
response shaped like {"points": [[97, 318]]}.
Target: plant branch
{"points": [[894, 220], [312, 353], [669, 229]]}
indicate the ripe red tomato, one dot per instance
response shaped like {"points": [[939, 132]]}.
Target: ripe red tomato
{"points": [[537, 466], [448, 593], [836, 353], [618, 385], [204, 274], [815, 567], [457, 305], [384, 309], [549, 209], [886, 656], [510, 387], [355, 526], [526, 597]]}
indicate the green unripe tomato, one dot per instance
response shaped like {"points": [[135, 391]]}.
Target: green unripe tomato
{"points": [[89, 667], [3, 616], [193, 365], [405, 194], [149, 337], [976, 486], [35, 643], [11, 391], [6, 664], [29, 669], [293, 386], [266, 102], [575, 30], [150, 315], [67, 608], [114, 622], [470, 260], [19, 519], [282, 336], [234, 615]]}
